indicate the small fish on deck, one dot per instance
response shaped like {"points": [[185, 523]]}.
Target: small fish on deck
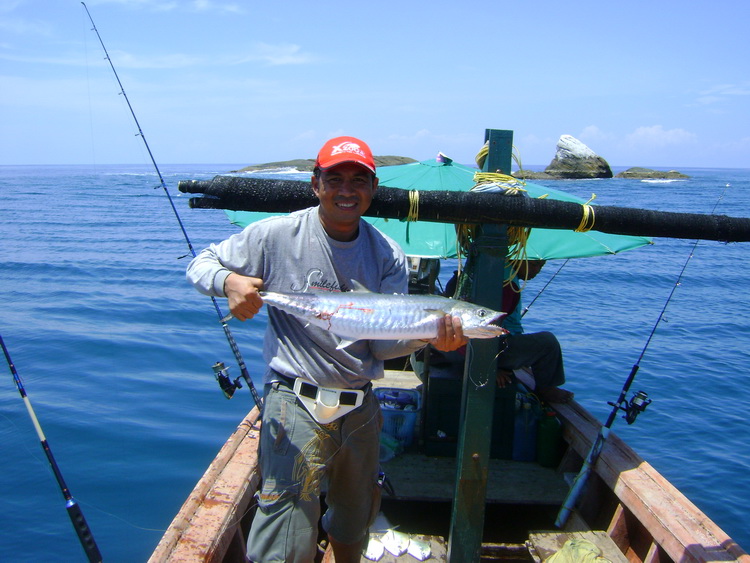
{"points": [[364, 315]]}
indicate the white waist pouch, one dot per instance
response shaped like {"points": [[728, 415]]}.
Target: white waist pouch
{"points": [[326, 404]]}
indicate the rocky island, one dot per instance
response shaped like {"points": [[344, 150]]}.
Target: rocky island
{"points": [[574, 160], [307, 164], [637, 173]]}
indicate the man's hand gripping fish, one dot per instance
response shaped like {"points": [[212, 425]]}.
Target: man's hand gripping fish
{"points": [[364, 315]]}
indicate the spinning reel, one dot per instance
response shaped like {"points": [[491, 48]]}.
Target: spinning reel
{"points": [[228, 387], [634, 407]]}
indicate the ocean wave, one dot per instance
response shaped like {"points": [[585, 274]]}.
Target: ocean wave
{"points": [[276, 171], [661, 180]]}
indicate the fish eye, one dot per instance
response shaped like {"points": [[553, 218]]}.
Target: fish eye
{"points": [[481, 313]]}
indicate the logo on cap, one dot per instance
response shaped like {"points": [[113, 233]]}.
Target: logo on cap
{"points": [[348, 146], [345, 149]]}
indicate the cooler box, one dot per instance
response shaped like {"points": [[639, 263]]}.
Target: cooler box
{"points": [[443, 411], [401, 409]]}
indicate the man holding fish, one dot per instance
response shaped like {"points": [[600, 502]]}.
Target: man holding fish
{"points": [[321, 423]]}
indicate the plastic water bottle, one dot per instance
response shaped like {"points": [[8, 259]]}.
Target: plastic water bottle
{"points": [[548, 440]]}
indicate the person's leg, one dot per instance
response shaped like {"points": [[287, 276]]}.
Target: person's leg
{"points": [[285, 526], [347, 553], [541, 351], [353, 496]]}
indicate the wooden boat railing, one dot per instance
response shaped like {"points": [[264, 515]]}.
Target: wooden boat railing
{"points": [[652, 518], [208, 526]]}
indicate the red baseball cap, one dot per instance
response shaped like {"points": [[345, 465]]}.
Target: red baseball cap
{"points": [[345, 149]]}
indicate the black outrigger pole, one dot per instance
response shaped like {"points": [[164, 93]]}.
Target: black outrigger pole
{"points": [[74, 511], [220, 372]]}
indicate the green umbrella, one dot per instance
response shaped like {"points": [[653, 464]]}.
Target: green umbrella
{"points": [[438, 240]]}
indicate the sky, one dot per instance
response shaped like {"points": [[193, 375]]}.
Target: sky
{"points": [[662, 84]]}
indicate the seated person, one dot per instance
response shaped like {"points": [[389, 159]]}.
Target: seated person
{"points": [[539, 350]]}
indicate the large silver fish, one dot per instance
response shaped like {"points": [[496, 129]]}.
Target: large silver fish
{"points": [[364, 315]]}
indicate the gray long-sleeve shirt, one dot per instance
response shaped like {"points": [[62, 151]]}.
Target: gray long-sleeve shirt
{"points": [[294, 253]]}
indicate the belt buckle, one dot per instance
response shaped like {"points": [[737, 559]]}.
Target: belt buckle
{"points": [[326, 404]]}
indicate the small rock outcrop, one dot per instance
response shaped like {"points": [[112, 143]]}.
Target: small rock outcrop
{"points": [[531, 175], [638, 173], [573, 160]]}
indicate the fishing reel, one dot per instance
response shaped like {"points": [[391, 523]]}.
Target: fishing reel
{"points": [[228, 387], [636, 406]]}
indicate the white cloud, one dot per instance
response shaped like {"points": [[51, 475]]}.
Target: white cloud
{"points": [[721, 93], [18, 26], [276, 55], [308, 135], [210, 6], [174, 60], [9, 5], [592, 134], [271, 55], [655, 136], [416, 136], [120, 59], [154, 5], [170, 5]]}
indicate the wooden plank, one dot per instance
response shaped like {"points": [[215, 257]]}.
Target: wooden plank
{"points": [[676, 524], [653, 555], [419, 477], [207, 523], [399, 379], [546, 544], [618, 530]]}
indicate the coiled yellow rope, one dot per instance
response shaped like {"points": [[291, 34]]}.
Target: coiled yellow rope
{"points": [[413, 214], [588, 218], [517, 236]]}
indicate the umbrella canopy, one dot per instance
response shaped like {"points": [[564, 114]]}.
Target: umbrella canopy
{"points": [[438, 240]]}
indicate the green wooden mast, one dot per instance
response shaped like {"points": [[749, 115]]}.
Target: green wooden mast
{"points": [[478, 397]]}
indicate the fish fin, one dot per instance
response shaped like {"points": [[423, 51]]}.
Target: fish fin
{"points": [[439, 312], [359, 287], [344, 343]]}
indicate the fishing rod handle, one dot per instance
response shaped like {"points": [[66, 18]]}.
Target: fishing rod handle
{"points": [[83, 531]]}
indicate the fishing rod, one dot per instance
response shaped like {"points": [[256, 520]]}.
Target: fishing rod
{"points": [[221, 372], [632, 408], [74, 511]]}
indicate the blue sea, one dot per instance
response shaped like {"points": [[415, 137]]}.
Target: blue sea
{"points": [[115, 349]]}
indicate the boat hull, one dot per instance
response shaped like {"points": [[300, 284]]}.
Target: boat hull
{"points": [[628, 506]]}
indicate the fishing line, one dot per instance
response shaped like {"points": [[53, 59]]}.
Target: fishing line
{"points": [[220, 372], [525, 309], [632, 409], [74, 511]]}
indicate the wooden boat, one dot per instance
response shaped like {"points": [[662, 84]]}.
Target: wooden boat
{"points": [[505, 509], [630, 511]]}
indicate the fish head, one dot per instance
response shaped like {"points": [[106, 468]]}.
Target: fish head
{"points": [[480, 322]]}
